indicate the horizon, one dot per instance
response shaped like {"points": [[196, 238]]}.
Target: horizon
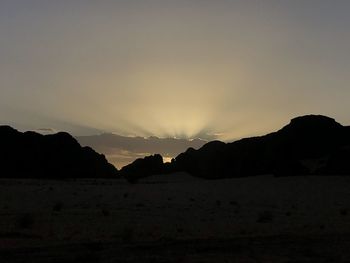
{"points": [[122, 150], [208, 138]]}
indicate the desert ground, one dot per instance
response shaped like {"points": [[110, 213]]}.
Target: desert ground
{"points": [[176, 218]]}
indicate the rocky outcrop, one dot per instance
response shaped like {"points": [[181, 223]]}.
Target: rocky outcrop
{"points": [[123, 150], [311, 144], [140, 168], [32, 155]]}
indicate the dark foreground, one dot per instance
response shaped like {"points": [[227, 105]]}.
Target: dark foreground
{"points": [[176, 218], [324, 248]]}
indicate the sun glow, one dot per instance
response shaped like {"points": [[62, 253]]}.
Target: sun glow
{"points": [[171, 102], [167, 159]]}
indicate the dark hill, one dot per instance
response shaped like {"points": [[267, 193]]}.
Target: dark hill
{"points": [[32, 155], [140, 168], [123, 150], [311, 144]]}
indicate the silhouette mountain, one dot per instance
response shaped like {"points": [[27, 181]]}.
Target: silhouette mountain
{"points": [[32, 155], [123, 150], [312, 144], [307, 145], [140, 168]]}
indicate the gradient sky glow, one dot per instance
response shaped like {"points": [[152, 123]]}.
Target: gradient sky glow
{"points": [[184, 68]]}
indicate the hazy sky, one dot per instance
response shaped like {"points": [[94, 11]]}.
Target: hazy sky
{"points": [[182, 68]]}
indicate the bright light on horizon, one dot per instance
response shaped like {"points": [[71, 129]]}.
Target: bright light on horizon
{"points": [[167, 159]]}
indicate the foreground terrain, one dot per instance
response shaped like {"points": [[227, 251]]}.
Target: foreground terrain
{"points": [[176, 218]]}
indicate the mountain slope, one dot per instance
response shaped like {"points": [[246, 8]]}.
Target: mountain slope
{"points": [[29, 154], [312, 144], [305, 146]]}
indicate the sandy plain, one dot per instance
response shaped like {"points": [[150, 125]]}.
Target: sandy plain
{"points": [[176, 218]]}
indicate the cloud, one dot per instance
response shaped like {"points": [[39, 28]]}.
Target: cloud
{"points": [[46, 130], [122, 150]]}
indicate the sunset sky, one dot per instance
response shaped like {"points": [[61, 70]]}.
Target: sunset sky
{"points": [[172, 68]]}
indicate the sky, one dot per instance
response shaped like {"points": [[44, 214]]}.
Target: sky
{"points": [[172, 68]]}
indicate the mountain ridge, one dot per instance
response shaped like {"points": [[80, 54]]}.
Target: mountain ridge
{"points": [[310, 144], [55, 156], [123, 150]]}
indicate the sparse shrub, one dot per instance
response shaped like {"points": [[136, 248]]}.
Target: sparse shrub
{"points": [[106, 212], [140, 205], [309, 252], [25, 221], [265, 217], [57, 206], [128, 234], [243, 232], [91, 257], [94, 246], [131, 180], [180, 230], [294, 207], [288, 213], [218, 202], [343, 212], [125, 195]]}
